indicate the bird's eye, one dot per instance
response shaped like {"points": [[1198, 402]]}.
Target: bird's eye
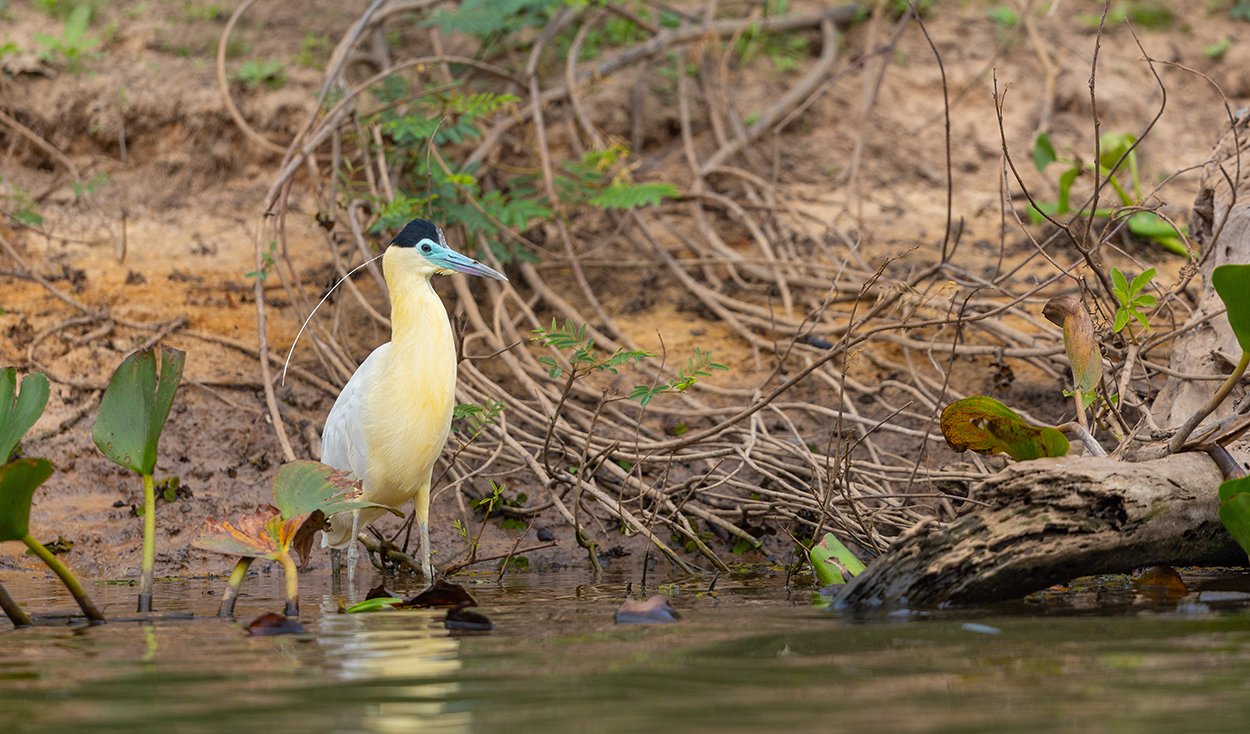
{"points": [[426, 247]]}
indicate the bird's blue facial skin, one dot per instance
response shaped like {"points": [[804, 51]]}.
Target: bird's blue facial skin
{"points": [[427, 240], [445, 258]]}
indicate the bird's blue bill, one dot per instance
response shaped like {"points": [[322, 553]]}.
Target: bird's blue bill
{"points": [[448, 259]]}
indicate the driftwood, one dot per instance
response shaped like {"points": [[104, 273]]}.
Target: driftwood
{"points": [[1052, 520]]}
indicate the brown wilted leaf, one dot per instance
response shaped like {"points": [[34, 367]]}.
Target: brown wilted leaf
{"points": [[305, 536]]}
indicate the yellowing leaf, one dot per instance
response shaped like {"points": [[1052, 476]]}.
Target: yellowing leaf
{"points": [[986, 426], [261, 534]]}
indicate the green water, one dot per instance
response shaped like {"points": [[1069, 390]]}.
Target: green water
{"points": [[751, 657]]}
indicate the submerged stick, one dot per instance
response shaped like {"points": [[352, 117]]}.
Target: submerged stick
{"points": [[237, 576]]}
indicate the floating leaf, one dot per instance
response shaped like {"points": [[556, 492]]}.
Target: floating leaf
{"points": [[464, 619], [1232, 283], [19, 411], [1235, 510], [986, 426], [834, 563], [272, 623], [301, 487], [373, 605], [442, 595], [135, 406], [18, 481], [1079, 340]]}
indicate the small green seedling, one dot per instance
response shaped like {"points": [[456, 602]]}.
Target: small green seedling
{"points": [[833, 563], [132, 415], [1130, 299], [256, 74], [1113, 147], [300, 489], [1232, 285], [74, 45], [986, 426]]}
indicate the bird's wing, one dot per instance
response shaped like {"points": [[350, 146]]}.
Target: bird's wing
{"points": [[343, 441]]}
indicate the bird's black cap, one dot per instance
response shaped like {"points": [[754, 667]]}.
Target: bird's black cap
{"points": [[415, 231]]}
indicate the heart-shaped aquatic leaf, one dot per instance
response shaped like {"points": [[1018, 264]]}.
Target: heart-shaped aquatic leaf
{"points": [[834, 563], [135, 406], [1235, 510], [1232, 284], [261, 534], [301, 487], [1079, 340], [19, 411], [18, 482], [986, 426]]}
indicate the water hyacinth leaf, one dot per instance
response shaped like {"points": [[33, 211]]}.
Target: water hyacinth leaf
{"points": [[1079, 340], [1232, 284], [834, 563], [261, 534], [301, 487], [18, 481], [986, 426], [1235, 510], [19, 410], [135, 407]]}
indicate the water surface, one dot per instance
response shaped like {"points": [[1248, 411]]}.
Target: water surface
{"points": [[751, 656]]}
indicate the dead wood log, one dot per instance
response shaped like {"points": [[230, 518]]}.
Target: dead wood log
{"points": [[1049, 521]]}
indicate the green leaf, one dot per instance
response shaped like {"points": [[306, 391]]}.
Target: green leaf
{"points": [[373, 605], [986, 426], [1235, 510], [833, 563], [1232, 284], [18, 481], [1066, 180], [1043, 152], [1149, 225], [632, 196], [1217, 50], [1122, 315], [1112, 147], [135, 406], [1141, 282], [1119, 286], [19, 411], [303, 486]]}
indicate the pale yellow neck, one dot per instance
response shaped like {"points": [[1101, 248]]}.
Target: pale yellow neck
{"points": [[418, 318]]}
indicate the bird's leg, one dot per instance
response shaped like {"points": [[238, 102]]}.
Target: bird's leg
{"points": [[426, 567], [336, 569], [353, 553]]}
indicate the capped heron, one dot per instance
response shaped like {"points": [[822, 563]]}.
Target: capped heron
{"points": [[391, 420]]}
